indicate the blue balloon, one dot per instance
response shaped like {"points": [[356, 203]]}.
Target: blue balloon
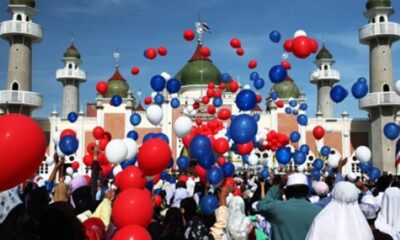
{"points": [[159, 99], [171, 163], [200, 146], [164, 176], [359, 89], [316, 174], [274, 95], [302, 120], [245, 159], [215, 175], [135, 119], [365, 167], [277, 74], [303, 106], [294, 136], [293, 103], [208, 204], [157, 83], [256, 117], [157, 191], [259, 83], [217, 102], [246, 100], [338, 93], [183, 163], [254, 76], [243, 128], [72, 117], [283, 155], [275, 36], [305, 149], [228, 169], [175, 103], [225, 77], [295, 112], [206, 161], [299, 157], [148, 136], [362, 80], [318, 164], [127, 163], [264, 174], [173, 85], [133, 135], [162, 136], [391, 130], [325, 151], [171, 179], [288, 110], [374, 173], [116, 100], [68, 145]]}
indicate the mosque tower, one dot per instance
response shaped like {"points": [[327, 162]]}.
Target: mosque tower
{"points": [[324, 77], [71, 76], [382, 102], [21, 33]]}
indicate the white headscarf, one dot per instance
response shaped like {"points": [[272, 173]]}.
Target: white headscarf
{"points": [[388, 220], [341, 218], [239, 226]]}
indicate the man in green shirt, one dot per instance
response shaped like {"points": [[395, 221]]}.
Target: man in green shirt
{"points": [[292, 218]]}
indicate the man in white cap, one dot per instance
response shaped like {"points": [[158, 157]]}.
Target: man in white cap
{"points": [[290, 219], [322, 190]]}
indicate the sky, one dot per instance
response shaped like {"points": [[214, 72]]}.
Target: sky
{"points": [[99, 27]]}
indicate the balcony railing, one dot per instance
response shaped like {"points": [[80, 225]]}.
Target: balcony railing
{"points": [[71, 73], [388, 29], [327, 74], [21, 98], [13, 27], [380, 99]]}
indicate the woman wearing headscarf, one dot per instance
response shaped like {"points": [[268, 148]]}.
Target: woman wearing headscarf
{"points": [[173, 225], [388, 220], [239, 226], [341, 218]]}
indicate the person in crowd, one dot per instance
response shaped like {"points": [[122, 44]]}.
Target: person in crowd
{"points": [[322, 190], [173, 225], [239, 227], [370, 213], [388, 220], [179, 194]]}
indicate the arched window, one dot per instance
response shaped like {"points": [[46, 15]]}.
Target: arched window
{"points": [[27, 18], [381, 19], [70, 66], [325, 67], [19, 17], [15, 86], [373, 20], [386, 87]]}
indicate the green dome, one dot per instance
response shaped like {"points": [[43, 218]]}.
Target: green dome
{"points": [[324, 54], [378, 3], [199, 70], [30, 3], [72, 52], [287, 89], [117, 85]]}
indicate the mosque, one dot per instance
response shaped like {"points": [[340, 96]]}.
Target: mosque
{"points": [[343, 134]]}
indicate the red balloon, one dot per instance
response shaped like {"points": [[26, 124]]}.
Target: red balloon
{"points": [[205, 52], [199, 121], [217, 93], [102, 87], [132, 206], [221, 145], [245, 148], [286, 65], [131, 177], [106, 169], [205, 100], [98, 132], [210, 93], [196, 105], [201, 172], [157, 200], [102, 158], [87, 179], [252, 64], [313, 44], [301, 47], [233, 86], [67, 132], [188, 35], [154, 156], [318, 132], [222, 86], [183, 178], [279, 104], [237, 192], [162, 51], [94, 228], [224, 114], [22, 149], [211, 85], [90, 148], [107, 136], [288, 45], [156, 178], [147, 100], [229, 181], [88, 160], [188, 138], [259, 98], [132, 232], [75, 165], [151, 53], [135, 70], [211, 109], [235, 43], [221, 161], [103, 143], [240, 51]]}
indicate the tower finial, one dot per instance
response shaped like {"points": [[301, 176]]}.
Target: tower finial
{"points": [[201, 28], [116, 57]]}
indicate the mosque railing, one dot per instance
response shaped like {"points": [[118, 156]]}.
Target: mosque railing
{"points": [[379, 29], [30, 29], [380, 99], [21, 98], [71, 73]]}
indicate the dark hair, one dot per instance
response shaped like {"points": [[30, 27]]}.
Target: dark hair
{"points": [[173, 223], [189, 205], [297, 191], [180, 185]]}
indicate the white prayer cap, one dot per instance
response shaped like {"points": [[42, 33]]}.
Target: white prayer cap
{"points": [[297, 179], [368, 210], [345, 192], [321, 188]]}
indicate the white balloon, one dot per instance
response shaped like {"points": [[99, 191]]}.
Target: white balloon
{"points": [[285, 55], [69, 171], [351, 176], [328, 128], [154, 114], [75, 174], [333, 160], [117, 169], [190, 108], [197, 99], [59, 152], [185, 111], [116, 151], [153, 94], [253, 160], [67, 179], [193, 112], [363, 154], [49, 160], [132, 148], [315, 75], [166, 76], [246, 86], [174, 95], [397, 87], [56, 137], [299, 33], [302, 167], [182, 126]]}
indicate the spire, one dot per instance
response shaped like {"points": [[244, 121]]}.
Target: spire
{"points": [[116, 57], [324, 53]]}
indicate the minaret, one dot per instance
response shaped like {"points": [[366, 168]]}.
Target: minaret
{"points": [[71, 76], [21, 33], [324, 77], [382, 102]]}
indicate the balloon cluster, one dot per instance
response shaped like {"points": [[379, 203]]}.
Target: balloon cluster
{"points": [[276, 140], [301, 45], [363, 155], [258, 82], [275, 97], [151, 53], [236, 44], [294, 107]]}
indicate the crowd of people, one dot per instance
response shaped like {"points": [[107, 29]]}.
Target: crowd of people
{"points": [[285, 206]]}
